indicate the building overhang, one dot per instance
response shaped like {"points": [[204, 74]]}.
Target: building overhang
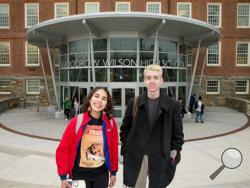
{"points": [[185, 30]]}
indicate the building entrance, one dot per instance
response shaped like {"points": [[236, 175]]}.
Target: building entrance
{"points": [[121, 97]]}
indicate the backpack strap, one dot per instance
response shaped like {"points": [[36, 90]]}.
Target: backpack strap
{"points": [[79, 122]]}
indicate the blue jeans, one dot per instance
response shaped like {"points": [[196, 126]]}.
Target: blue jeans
{"points": [[199, 115]]}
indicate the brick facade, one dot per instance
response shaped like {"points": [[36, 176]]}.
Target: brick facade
{"points": [[227, 72]]}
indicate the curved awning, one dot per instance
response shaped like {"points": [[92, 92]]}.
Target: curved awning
{"points": [[185, 30]]}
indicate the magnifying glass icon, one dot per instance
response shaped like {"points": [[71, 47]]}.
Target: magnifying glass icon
{"points": [[231, 158]]}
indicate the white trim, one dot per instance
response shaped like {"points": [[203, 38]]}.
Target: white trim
{"points": [[247, 87], [60, 3], [122, 3], [26, 84], [220, 13], [244, 27], [219, 58], [91, 3], [213, 93], [248, 54], [184, 3], [7, 65], [26, 56], [6, 27], [153, 3], [25, 13]]}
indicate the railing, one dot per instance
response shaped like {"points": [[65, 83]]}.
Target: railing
{"points": [[6, 104], [243, 105]]}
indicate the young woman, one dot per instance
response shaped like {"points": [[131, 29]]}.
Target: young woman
{"points": [[90, 153]]}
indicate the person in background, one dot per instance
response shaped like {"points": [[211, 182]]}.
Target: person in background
{"points": [[67, 106], [151, 139], [182, 107], [76, 106], [191, 103], [90, 154], [199, 107]]}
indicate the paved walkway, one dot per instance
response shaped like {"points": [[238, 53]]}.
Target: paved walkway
{"points": [[29, 162]]}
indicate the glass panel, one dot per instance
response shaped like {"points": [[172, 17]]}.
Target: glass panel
{"points": [[83, 95], [142, 90], [147, 44], [64, 75], [167, 46], [123, 75], [78, 46], [123, 44], [100, 75], [169, 75], [76, 75], [182, 75], [100, 44], [117, 96], [172, 92], [129, 94], [182, 93]]}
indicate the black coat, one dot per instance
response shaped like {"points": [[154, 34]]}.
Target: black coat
{"points": [[169, 121]]}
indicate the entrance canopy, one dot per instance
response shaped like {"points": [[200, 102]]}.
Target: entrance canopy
{"points": [[185, 30]]}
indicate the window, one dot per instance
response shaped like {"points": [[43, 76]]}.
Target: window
{"points": [[241, 86], [213, 87], [4, 54], [214, 14], [154, 7], [4, 16], [32, 55], [92, 7], [31, 14], [213, 54], [242, 54], [5, 87], [61, 9], [243, 15], [32, 86], [122, 6], [184, 9]]}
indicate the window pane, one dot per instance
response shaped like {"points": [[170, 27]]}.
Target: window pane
{"points": [[5, 86], [241, 86], [213, 54], [214, 15], [212, 86], [31, 14], [61, 10], [184, 10], [33, 86], [122, 7], [123, 44], [243, 15], [4, 15], [4, 53], [32, 55], [153, 8], [242, 53], [91, 7]]}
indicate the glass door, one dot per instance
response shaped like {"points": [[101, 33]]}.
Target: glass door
{"points": [[121, 97]]}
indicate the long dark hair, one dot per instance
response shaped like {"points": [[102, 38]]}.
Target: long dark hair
{"points": [[109, 107]]}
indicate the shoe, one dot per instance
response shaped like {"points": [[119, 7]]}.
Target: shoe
{"points": [[202, 121], [196, 121], [66, 119]]}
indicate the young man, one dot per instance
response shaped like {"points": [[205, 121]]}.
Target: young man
{"points": [[153, 138]]}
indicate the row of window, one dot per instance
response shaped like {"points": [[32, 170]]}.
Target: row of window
{"points": [[214, 12], [213, 54], [31, 54], [212, 87], [32, 87], [241, 87]]}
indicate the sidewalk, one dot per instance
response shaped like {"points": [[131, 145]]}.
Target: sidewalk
{"points": [[29, 162]]}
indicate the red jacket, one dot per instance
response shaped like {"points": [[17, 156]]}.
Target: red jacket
{"points": [[67, 149]]}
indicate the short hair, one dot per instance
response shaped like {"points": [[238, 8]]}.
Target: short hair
{"points": [[153, 67]]}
